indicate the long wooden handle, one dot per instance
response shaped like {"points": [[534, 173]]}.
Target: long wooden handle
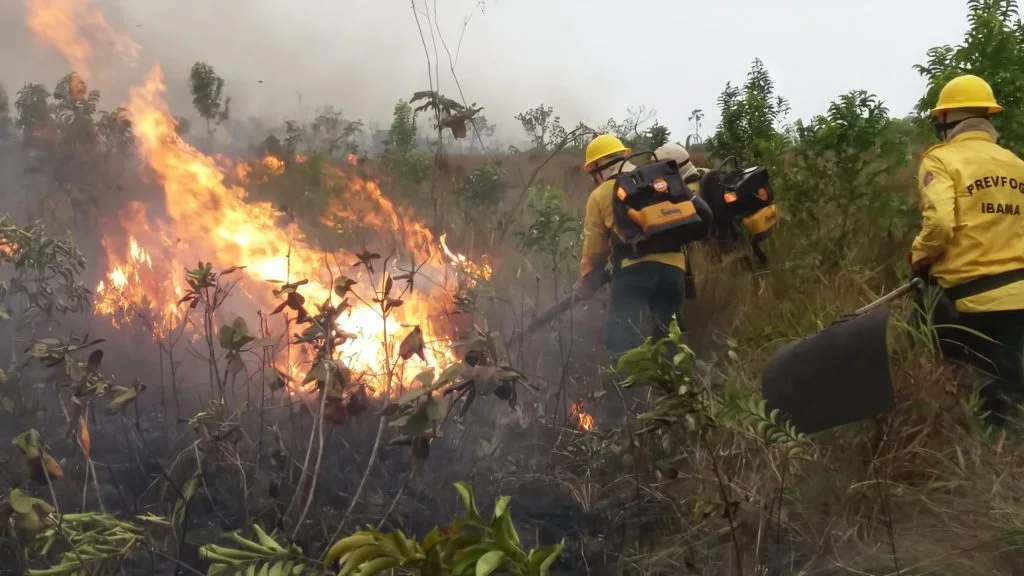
{"points": [[567, 302], [914, 284]]}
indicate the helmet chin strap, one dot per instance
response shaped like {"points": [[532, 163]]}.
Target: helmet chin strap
{"points": [[945, 126], [596, 173]]}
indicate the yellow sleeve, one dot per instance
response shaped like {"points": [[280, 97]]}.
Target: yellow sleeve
{"points": [[596, 241], [938, 211]]}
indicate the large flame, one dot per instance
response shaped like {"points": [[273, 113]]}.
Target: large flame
{"points": [[77, 29], [210, 220]]}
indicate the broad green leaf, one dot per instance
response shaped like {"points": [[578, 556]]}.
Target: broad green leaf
{"points": [[506, 531], [468, 501], [501, 506], [240, 327], [435, 409], [432, 538], [489, 562], [20, 502], [541, 559], [29, 443], [411, 394], [425, 378], [122, 398], [225, 336], [449, 374], [468, 557]]}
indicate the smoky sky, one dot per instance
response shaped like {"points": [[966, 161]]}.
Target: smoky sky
{"points": [[590, 60]]}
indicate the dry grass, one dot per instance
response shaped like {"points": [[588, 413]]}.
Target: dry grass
{"points": [[922, 491]]}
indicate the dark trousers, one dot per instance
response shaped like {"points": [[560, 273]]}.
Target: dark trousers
{"points": [[1000, 358], [643, 294]]}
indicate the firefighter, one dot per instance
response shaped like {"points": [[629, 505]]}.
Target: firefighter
{"points": [[691, 174], [649, 287], [971, 243]]}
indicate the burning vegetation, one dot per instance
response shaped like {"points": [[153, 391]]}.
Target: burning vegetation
{"points": [[209, 218]]}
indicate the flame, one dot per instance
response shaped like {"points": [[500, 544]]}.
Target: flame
{"points": [[274, 165], [584, 420], [69, 25], [472, 269], [209, 220]]}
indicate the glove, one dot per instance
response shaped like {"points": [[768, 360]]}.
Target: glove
{"points": [[919, 268], [582, 289]]}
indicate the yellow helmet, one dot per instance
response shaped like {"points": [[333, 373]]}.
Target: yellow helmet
{"points": [[967, 91], [602, 147]]}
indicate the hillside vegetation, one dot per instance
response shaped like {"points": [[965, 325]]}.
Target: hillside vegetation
{"points": [[303, 357]]}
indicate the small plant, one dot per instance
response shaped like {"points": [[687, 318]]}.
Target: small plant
{"points": [[470, 545], [86, 543], [483, 188], [552, 229], [666, 366], [46, 272]]}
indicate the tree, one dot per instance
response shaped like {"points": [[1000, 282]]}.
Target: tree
{"points": [[544, 128], [484, 127], [447, 113], [5, 115], [841, 178], [750, 115], [74, 109], [115, 131], [696, 117], [33, 107], [182, 125], [400, 157], [632, 134], [652, 138], [332, 133], [207, 96], [992, 48]]}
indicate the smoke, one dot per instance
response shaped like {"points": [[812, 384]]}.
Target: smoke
{"points": [[283, 60]]}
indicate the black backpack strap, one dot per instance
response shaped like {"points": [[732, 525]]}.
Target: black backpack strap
{"points": [[984, 284], [762, 258], [617, 255], [689, 280]]}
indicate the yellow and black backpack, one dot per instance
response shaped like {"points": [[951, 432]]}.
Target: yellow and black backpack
{"points": [[655, 211], [742, 200]]}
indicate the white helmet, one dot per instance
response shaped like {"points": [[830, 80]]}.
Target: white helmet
{"points": [[680, 155]]}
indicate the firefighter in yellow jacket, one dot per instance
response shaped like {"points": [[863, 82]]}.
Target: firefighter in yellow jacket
{"points": [[651, 287], [971, 242]]}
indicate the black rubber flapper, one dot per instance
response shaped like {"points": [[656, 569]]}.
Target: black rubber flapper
{"points": [[835, 377]]}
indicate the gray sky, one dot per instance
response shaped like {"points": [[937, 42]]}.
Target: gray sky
{"points": [[589, 59]]}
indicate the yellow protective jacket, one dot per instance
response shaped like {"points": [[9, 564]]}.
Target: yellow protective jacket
{"points": [[597, 231], [972, 191]]}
